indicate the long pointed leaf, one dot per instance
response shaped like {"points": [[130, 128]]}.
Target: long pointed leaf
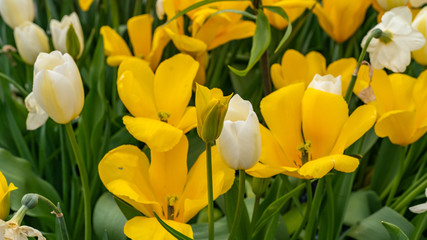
{"points": [[282, 13], [172, 231]]}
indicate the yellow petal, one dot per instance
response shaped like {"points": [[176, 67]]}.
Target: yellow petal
{"points": [[188, 120], [344, 67], [316, 65], [124, 172], [85, 4], [173, 83], [402, 90], [113, 43], [359, 122], [381, 86], [160, 40], [115, 60], [272, 160], [294, 67], [135, 87], [168, 172], [142, 228], [139, 29], [323, 115], [398, 125], [222, 178], [233, 31], [277, 76], [158, 135], [318, 168], [285, 126], [187, 44], [208, 30]]}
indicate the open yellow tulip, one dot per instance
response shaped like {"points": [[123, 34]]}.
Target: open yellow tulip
{"points": [[162, 186], [309, 131], [158, 101], [402, 109]]}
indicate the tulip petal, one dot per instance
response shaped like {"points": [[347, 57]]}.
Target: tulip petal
{"points": [[382, 88], [186, 44], [344, 67], [420, 208], [228, 143], [316, 65], [168, 172], [160, 40], [323, 116], [398, 125], [359, 122], [173, 84], [285, 125], [113, 43], [294, 67], [234, 31], [158, 135], [85, 4], [142, 228], [135, 87], [272, 160], [115, 60], [139, 29], [188, 120], [124, 172], [222, 178], [318, 168], [52, 92], [249, 139]]}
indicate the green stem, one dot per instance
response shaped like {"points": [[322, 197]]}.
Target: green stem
{"points": [[14, 83], [409, 197], [210, 190], [255, 213], [84, 179], [137, 9], [331, 208], [240, 195], [311, 225], [309, 193], [266, 73], [374, 34], [59, 216], [419, 229], [396, 180]]}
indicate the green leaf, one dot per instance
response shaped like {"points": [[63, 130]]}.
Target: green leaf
{"points": [[394, 231], [282, 13], [360, 206], [201, 230], [108, 220], [72, 42], [274, 208], [260, 42], [172, 231], [371, 228], [18, 171], [128, 211]]}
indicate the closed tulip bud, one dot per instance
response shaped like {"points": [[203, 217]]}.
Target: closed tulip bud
{"points": [[240, 141], [15, 12], [326, 83], [58, 87], [260, 185], [5, 196], [211, 107], [61, 36], [30, 40], [420, 24]]}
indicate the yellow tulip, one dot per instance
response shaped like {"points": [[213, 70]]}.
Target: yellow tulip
{"points": [[5, 196], [145, 45], [309, 138], [162, 186], [158, 101], [211, 108], [296, 67], [293, 8], [85, 4], [402, 109], [341, 18]]}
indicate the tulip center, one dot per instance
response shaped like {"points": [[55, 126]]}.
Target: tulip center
{"points": [[304, 148], [163, 116], [386, 37], [171, 202]]}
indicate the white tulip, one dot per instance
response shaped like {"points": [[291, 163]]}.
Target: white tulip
{"points": [[240, 141], [15, 12], [417, 3], [58, 87], [326, 83], [393, 49], [389, 4], [160, 11], [59, 32], [30, 40]]}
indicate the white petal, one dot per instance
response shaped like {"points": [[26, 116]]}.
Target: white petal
{"points": [[420, 208], [238, 109], [36, 115], [227, 143], [397, 20], [249, 138]]}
